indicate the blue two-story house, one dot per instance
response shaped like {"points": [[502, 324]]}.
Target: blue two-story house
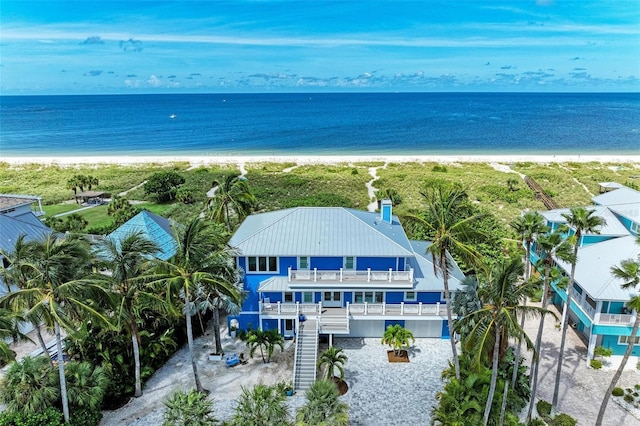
{"points": [[598, 310], [353, 271]]}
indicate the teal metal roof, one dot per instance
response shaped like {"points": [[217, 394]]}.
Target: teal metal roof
{"points": [[623, 195], [155, 228], [613, 227], [321, 231]]}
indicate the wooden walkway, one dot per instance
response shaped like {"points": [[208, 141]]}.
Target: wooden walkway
{"points": [[540, 194]]}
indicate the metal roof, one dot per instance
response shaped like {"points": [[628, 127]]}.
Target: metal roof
{"points": [[153, 227], [320, 231], [13, 201], [12, 227], [622, 195], [629, 211], [593, 270], [613, 227]]}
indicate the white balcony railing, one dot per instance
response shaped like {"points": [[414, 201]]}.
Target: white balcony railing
{"points": [[622, 319], [354, 310], [342, 275]]}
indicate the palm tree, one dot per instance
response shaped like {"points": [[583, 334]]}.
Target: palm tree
{"points": [[193, 264], [629, 272], [266, 340], [127, 261], [231, 194], [527, 226], [57, 295], [323, 406], [74, 183], [466, 301], [496, 321], [449, 235], [188, 408], [397, 337], [581, 220], [333, 358], [86, 384], [261, 406], [552, 246], [8, 329], [90, 181], [29, 386], [17, 274]]}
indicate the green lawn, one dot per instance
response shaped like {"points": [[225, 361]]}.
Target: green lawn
{"points": [[55, 209]]}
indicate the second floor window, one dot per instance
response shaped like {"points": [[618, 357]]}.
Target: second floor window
{"points": [[303, 262], [262, 264], [348, 262]]}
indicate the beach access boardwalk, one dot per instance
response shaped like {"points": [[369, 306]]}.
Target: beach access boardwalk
{"points": [[540, 194]]}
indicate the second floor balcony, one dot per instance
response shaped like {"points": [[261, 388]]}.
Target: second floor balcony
{"points": [[311, 277]]}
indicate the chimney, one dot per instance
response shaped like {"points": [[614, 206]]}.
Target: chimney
{"points": [[386, 210]]}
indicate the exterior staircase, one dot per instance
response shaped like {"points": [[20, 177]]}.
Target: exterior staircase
{"points": [[306, 357]]}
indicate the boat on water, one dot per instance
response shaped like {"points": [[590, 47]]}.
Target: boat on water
{"points": [[172, 116]]}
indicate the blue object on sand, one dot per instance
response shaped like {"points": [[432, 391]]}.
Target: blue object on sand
{"points": [[232, 360]]}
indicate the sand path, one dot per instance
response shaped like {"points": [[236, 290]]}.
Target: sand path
{"points": [[371, 190]]}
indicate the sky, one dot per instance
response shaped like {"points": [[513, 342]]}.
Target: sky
{"points": [[136, 46]]}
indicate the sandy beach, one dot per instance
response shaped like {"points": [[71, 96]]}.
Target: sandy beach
{"points": [[318, 159]]}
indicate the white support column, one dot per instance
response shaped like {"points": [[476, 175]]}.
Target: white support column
{"points": [[384, 307], [411, 275], [593, 338], [260, 306], [390, 274], [331, 340], [279, 326], [347, 310], [278, 305], [419, 308], [401, 308], [297, 308], [315, 274], [437, 308], [365, 308], [368, 275], [289, 273], [319, 308], [340, 274]]}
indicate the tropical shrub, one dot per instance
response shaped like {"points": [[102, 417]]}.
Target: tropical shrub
{"points": [[333, 358], [323, 406], [261, 406], [30, 386], [536, 422], [628, 398], [544, 408], [86, 385], [49, 417], [563, 419], [397, 337], [163, 185], [188, 408], [617, 391], [596, 364], [266, 340]]}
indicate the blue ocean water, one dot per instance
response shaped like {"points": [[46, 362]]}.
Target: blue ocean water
{"points": [[321, 124]]}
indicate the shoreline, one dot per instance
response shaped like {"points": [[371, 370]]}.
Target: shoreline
{"points": [[203, 160]]}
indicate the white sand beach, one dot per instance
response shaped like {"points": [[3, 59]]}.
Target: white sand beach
{"points": [[195, 160]]}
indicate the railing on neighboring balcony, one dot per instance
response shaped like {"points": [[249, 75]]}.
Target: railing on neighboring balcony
{"points": [[297, 308], [622, 319], [342, 275]]}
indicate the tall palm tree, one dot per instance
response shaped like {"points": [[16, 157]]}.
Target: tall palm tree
{"points": [[552, 246], [323, 406], [231, 194], [581, 220], [629, 272], [449, 235], [8, 329], [127, 261], [57, 295], [496, 321], [333, 358], [527, 226], [193, 264], [17, 274]]}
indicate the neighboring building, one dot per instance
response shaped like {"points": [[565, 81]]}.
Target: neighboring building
{"points": [[598, 309], [353, 271], [155, 228], [18, 216]]}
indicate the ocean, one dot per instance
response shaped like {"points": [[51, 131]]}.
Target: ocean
{"points": [[321, 124]]}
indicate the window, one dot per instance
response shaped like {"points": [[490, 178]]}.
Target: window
{"points": [[635, 228], [348, 262], [307, 297], [288, 297], [262, 264], [409, 296], [303, 262], [624, 340], [368, 296]]}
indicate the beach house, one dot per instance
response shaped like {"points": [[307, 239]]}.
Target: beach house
{"points": [[351, 272], [598, 311]]}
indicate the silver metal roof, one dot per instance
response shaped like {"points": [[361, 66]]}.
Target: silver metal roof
{"points": [[593, 270], [622, 195], [613, 227], [320, 231]]}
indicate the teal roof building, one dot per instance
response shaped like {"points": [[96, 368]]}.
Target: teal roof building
{"points": [[155, 228]]}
